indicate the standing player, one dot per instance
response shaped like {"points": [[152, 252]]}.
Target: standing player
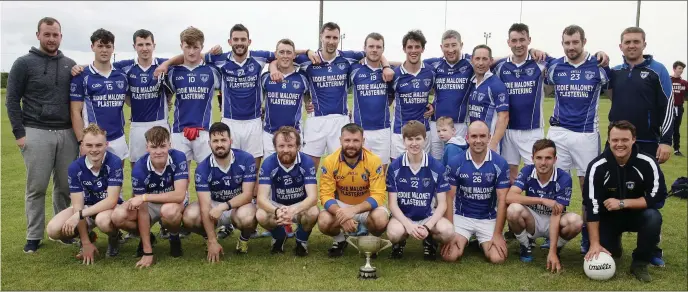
{"points": [[97, 95], [352, 190], [288, 192], [413, 81], [224, 183], [415, 179], [479, 184], [159, 181], [488, 97], [283, 99], [679, 86], [542, 211], [370, 98], [95, 181]]}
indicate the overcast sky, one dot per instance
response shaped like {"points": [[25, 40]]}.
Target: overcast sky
{"points": [[664, 23]]}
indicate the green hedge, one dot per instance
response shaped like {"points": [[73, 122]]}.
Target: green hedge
{"points": [[3, 79]]}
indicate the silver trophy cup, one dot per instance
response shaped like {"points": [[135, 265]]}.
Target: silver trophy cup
{"points": [[368, 245]]}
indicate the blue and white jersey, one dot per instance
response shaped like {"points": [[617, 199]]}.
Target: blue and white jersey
{"points": [[525, 86], [329, 81], [487, 98], [283, 100], [412, 95], [558, 188], [287, 185], [371, 102], [416, 190], [103, 97], [146, 180], [576, 93], [148, 96], [81, 178], [477, 185], [194, 89], [225, 184], [452, 86], [241, 90]]}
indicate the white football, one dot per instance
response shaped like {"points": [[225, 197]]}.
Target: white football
{"points": [[601, 268]]}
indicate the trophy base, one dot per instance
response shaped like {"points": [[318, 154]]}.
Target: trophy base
{"points": [[367, 274]]}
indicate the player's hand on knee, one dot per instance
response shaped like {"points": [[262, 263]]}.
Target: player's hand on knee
{"points": [[557, 209], [69, 225], [349, 225], [499, 243], [216, 213], [135, 202], [145, 262], [345, 214], [214, 252], [553, 264], [422, 232], [286, 214], [89, 251]]}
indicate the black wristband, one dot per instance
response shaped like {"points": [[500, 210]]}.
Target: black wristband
{"points": [[147, 253], [229, 205], [81, 215], [385, 67], [427, 228]]}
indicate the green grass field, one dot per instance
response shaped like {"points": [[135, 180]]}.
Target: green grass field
{"points": [[53, 267]]}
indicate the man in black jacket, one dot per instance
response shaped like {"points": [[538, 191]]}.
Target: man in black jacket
{"points": [[622, 187]]}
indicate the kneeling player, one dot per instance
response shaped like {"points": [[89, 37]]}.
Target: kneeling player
{"points": [[548, 192], [224, 183], [413, 181], [94, 183], [159, 181], [479, 184], [288, 191]]}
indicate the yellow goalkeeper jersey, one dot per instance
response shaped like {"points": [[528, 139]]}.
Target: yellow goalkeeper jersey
{"points": [[352, 184]]}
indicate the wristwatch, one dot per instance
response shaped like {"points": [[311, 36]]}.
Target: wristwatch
{"points": [[621, 204]]}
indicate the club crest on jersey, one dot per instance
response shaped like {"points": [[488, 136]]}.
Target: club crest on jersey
{"points": [[312, 171], [481, 96], [502, 97], [364, 176], [198, 178], [237, 179], [426, 182], [630, 185], [118, 172], [341, 66], [72, 87], [205, 77], [517, 72], [298, 179], [252, 168], [589, 75], [251, 68], [463, 69], [323, 169], [530, 71], [182, 165], [427, 82], [489, 176], [120, 84], [296, 84], [644, 74]]}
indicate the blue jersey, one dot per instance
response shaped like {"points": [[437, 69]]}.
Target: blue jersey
{"points": [[288, 185], [411, 95], [416, 190], [241, 90], [94, 185], [194, 89], [283, 100], [453, 148], [477, 185], [525, 86], [148, 96], [576, 93], [225, 184], [328, 81], [487, 99], [452, 85], [103, 98], [146, 180], [558, 187], [371, 102]]}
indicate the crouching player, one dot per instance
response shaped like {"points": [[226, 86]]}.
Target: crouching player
{"points": [[413, 181], [542, 211], [94, 183], [288, 192], [224, 183]]}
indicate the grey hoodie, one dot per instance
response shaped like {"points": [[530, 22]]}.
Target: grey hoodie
{"points": [[38, 92]]}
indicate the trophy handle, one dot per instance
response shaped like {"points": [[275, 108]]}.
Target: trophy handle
{"points": [[387, 244], [351, 240]]}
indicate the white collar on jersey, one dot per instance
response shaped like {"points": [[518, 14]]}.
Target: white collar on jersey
{"points": [[167, 163], [336, 54], [194, 67], [296, 69], [587, 58], [296, 161], [405, 162], [552, 178], [230, 56], [154, 62], [403, 70], [371, 68], [214, 163], [95, 71], [488, 157], [488, 74], [510, 59], [90, 165]]}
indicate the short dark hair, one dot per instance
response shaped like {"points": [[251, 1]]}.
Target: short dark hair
{"points": [[621, 125], [144, 34], [352, 128], [286, 42], [519, 27], [489, 50], [375, 36], [104, 36], [679, 63], [286, 131], [330, 26], [573, 29], [48, 21], [157, 135], [632, 29], [238, 27], [544, 144], [415, 35], [219, 128]]}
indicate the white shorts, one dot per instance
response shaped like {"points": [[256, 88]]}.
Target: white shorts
{"points": [[574, 150], [378, 141], [437, 145], [518, 144], [422, 221], [246, 135], [119, 147], [363, 217], [225, 218], [268, 148], [398, 147], [155, 213], [296, 219], [482, 228], [198, 149], [541, 224], [322, 133], [137, 137]]}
